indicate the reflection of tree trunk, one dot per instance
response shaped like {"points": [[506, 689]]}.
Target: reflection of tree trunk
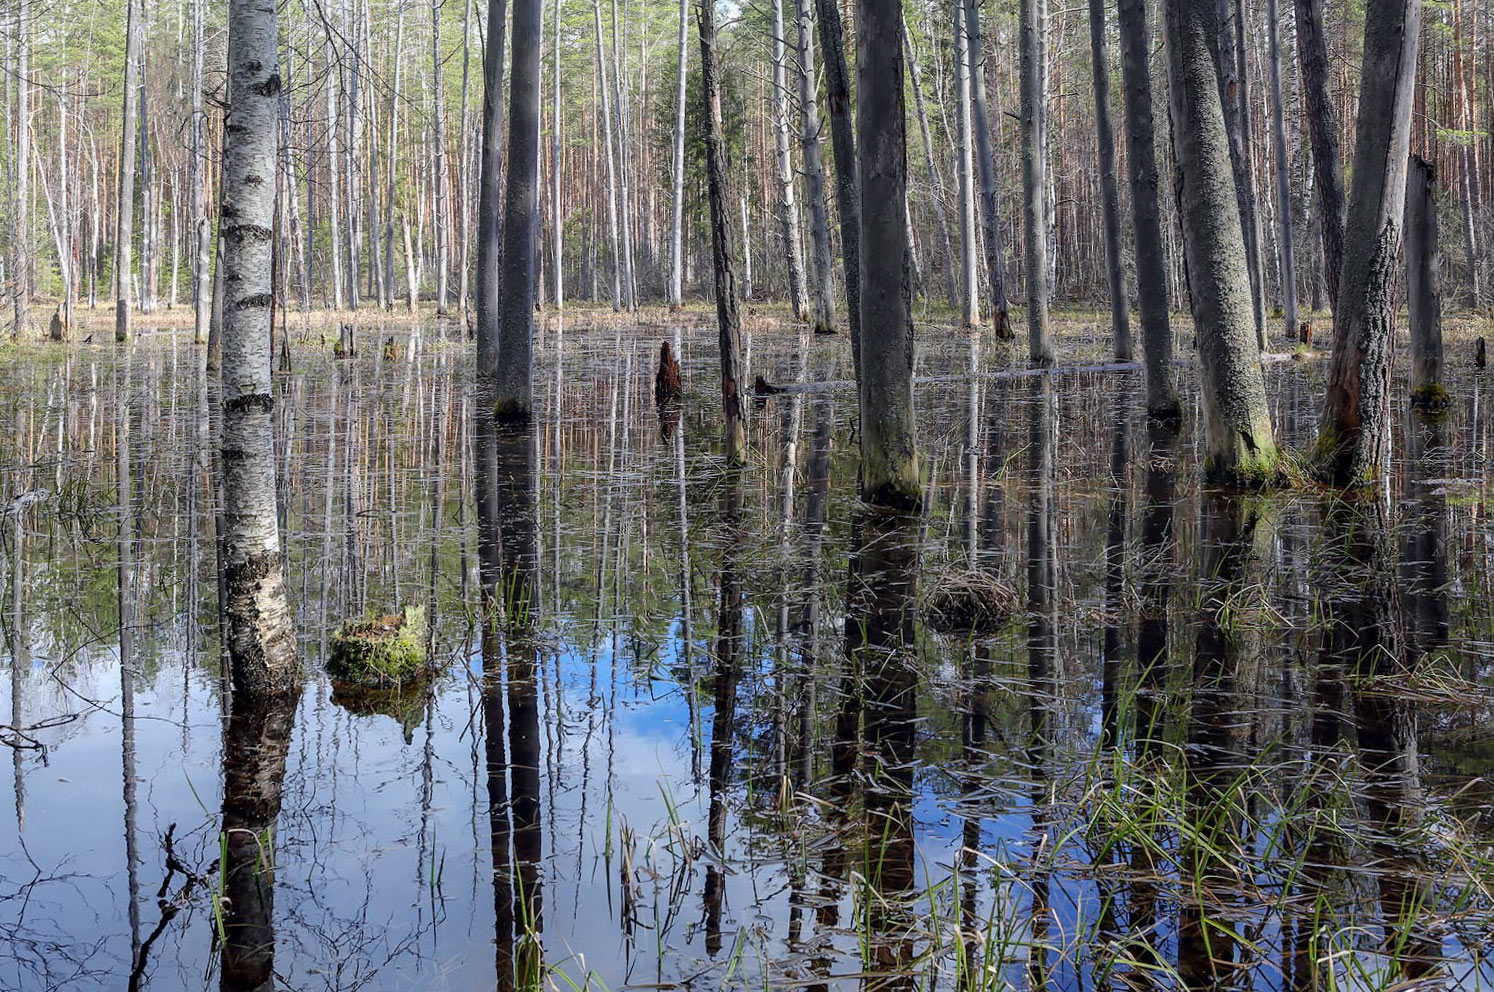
{"points": [[255, 746], [1115, 575], [1363, 637], [124, 491], [1206, 939], [879, 640], [1042, 647], [728, 674]]}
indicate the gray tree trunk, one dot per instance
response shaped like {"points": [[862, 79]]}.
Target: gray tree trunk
{"points": [[515, 397], [624, 174], [124, 229], [334, 169], [723, 250], [822, 295], [1353, 438], [261, 638], [1283, 175], [617, 271], [969, 284], [1239, 444], [1322, 121], [788, 209], [1151, 252], [1229, 35], [990, 219], [442, 221], [24, 246], [490, 167], [1034, 184], [1423, 286], [677, 202], [1120, 316], [843, 140], [557, 218], [889, 454]]}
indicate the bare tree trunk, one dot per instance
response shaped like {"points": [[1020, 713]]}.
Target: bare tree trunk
{"points": [[936, 186], [391, 156], [677, 203], [24, 245], [1353, 438], [624, 180], [488, 289], [788, 210], [261, 638], [889, 454], [438, 152], [1322, 120], [334, 168], [557, 219], [617, 272], [1239, 445], [464, 163], [843, 139], [1120, 316], [990, 220], [124, 229], [1229, 35], [746, 252], [515, 395], [1034, 184], [1151, 253], [969, 284], [822, 295], [723, 251], [1283, 175], [1423, 289]]}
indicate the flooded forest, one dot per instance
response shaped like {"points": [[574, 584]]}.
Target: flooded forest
{"points": [[941, 495]]}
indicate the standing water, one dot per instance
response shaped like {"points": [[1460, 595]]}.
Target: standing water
{"points": [[731, 729]]}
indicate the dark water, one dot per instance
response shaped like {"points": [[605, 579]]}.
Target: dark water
{"points": [[1223, 741]]}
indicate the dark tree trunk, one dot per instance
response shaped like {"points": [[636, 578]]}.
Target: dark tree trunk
{"points": [[1322, 124], [889, 457], [1151, 253], [990, 220], [723, 241], [1120, 317], [489, 175], [515, 395], [1356, 415], [843, 139], [1423, 291]]}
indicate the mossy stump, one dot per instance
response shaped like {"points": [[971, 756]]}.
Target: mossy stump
{"points": [[976, 603], [384, 651]]}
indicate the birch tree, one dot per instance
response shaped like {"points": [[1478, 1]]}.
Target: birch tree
{"points": [[788, 208], [124, 227]]}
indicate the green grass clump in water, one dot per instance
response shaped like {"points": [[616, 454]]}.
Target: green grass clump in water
{"points": [[386, 650]]}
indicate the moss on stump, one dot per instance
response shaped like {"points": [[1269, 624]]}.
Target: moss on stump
{"points": [[387, 650]]}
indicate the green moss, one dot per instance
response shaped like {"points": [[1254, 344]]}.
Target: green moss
{"points": [[1430, 396], [388, 650]]}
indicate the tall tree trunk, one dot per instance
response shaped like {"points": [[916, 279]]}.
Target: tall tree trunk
{"points": [[1467, 162], [1283, 175], [1322, 121], [788, 209], [1423, 290], [889, 453], [1034, 184], [442, 222], [124, 228], [677, 177], [936, 185], [624, 176], [1353, 438], [334, 171], [723, 250], [557, 218], [515, 398], [990, 220], [822, 295], [969, 283], [464, 163], [261, 638], [1239, 445], [843, 140], [24, 245], [1229, 36], [612, 205], [1151, 252], [488, 299], [1120, 317]]}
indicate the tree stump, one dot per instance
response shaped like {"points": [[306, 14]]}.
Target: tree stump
{"points": [[667, 387], [57, 330], [1480, 357], [344, 346], [381, 651]]}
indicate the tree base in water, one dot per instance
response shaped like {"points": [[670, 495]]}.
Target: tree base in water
{"points": [[388, 650]]}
